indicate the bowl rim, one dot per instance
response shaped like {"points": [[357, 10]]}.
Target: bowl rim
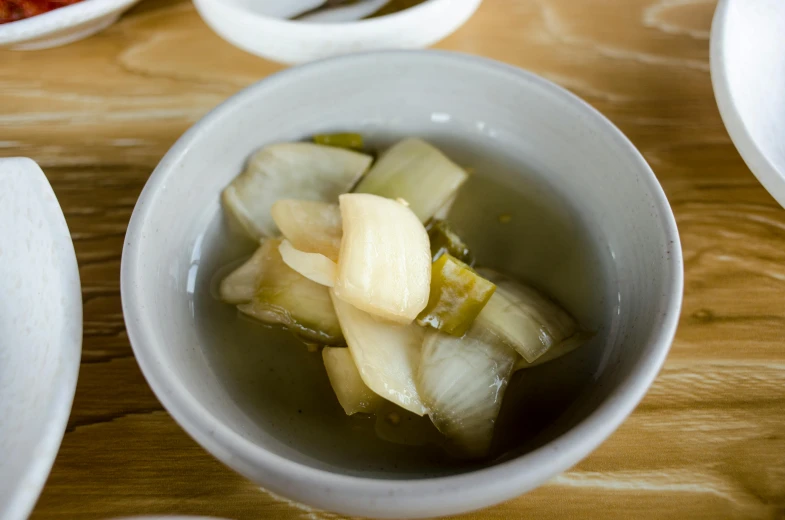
{"points": [[340, 28], [761, 166], [415, 497], [59, 19], [28, 484]]}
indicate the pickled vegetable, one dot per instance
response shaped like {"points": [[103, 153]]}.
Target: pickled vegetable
{"points": [[343, 140], [557, 351], [395, 6], [385, 261], [240, 285], [311, 226], [431, 342], [283, 296], [524, 318], [352, 393], [387, 354], [416, 172], [462, 382], [290, 170], [444, 212], [458, 294], [444, 239], [313, 266]]}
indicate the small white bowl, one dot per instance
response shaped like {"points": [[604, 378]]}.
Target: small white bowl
{"points": [[62, 26], [168, 518], [40, 333], [748, 74], [579, 194], [289, 41]]}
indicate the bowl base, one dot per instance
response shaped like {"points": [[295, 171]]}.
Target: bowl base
{"points": [[66, 36]]}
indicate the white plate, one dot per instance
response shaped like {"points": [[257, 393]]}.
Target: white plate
{"points": [[64, 25], [748, 73], [40, 332]]}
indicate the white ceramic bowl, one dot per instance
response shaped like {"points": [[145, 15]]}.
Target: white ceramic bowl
{"points": [[40, 333], [748, 74], [290, 41], [64, 25], [169, 518], [588, 214]]}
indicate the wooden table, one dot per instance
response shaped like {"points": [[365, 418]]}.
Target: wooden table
{"points": [[708, 441]]}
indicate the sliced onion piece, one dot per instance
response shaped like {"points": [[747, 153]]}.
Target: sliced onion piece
{"points": [[352, 393], [240, 285], [285, 297], [313, 266], [417, 172], [386, 354], [462, 382], [557, 351], [524, 318], [443, 213], [385, 260], [311, 226], [290, 170]]}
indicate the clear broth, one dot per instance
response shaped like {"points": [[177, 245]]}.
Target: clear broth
{"points": [[513, 221]]}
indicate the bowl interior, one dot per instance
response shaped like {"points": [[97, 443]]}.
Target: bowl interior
{"points": [[284, 12], [279, 385], [290, 41], [588, 224]]}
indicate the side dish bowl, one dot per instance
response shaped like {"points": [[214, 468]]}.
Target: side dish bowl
{"points": [[63, 25], [291, 41], [748, 75], [561, 162], [40, 332]]}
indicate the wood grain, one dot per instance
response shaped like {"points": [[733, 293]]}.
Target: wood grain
{"points": [[707, 442]]}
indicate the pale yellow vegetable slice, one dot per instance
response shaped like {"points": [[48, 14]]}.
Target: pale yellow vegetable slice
{"points": [[311, 226], [386, 354], [443, 213], [352, 393], [313, 266], [290, 170], [240, 285], [385, 261], [341, 140], [285, 297], [524, 318], [462, 382], [557, 351], [416, 172]]}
